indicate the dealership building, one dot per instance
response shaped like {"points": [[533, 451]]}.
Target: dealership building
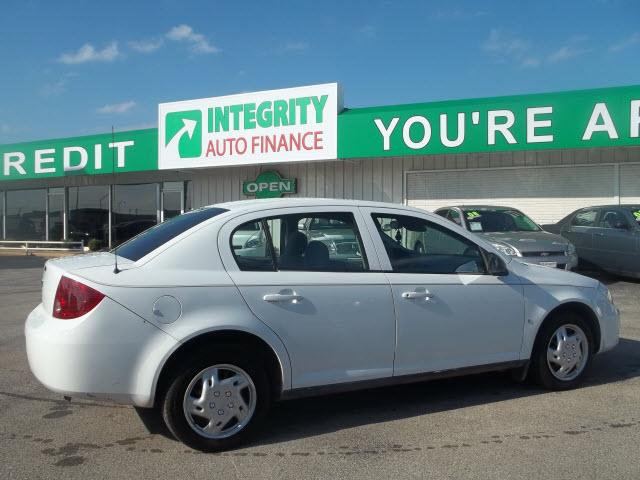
{"points": [[545, 154]]}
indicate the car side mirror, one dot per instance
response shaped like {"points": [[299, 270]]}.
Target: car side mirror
{"points": [[496, 265]]}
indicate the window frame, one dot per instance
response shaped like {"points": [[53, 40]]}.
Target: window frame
{"points": [[438, 226]]}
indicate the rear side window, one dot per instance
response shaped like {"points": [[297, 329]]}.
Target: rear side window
{"points": [[251, 248], [150, 239], [585, 218], [318, 242]]}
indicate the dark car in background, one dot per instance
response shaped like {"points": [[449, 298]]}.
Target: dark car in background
{"points": [[514, 233], [606, 236]]}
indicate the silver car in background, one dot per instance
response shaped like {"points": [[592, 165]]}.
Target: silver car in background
{"points": [[607, 237], [515, 234]]}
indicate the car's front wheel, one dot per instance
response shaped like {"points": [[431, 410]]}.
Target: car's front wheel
{"points": [[218, 401], [562, 352]]}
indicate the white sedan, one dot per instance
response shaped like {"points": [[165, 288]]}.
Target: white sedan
{"points": [[210, 331]]}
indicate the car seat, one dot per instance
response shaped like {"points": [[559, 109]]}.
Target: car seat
{"points": [[316, 255], [293, 250]]}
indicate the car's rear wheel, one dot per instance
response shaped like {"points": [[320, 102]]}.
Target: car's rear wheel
{"points": [[218, 401], [562, 352]]}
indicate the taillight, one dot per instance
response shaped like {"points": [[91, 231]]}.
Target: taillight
{"points": [[74, 299]]}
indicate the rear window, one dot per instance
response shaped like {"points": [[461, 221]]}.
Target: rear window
{"points": [[150, 239]]}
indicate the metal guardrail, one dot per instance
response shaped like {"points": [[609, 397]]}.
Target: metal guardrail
{"points": [[27, 245]]}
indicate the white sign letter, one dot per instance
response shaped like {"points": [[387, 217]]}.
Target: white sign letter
{"points": [[503, 128], [16, 163], [386, 132], [66, 158], [425, 137], [444, 138], [97, 158], [40, 159], [532, 124], [121, 146], [600, 111], [634, 130]]}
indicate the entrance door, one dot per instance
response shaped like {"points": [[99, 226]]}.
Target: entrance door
{"points": [[450, 312], [313, 277], [172, 204]]}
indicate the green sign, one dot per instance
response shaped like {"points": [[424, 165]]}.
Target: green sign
{"points": [[608, 117], [269, 185], [131, 151], [185, 128]]}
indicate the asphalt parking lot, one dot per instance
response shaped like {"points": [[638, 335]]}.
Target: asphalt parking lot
{"points": [[481, 427]]}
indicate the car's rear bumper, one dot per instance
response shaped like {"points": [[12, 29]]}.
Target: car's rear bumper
{"points": [[109, 353]]}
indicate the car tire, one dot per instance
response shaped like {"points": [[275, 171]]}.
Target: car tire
{"points": [[190, 428], [554, 353]]}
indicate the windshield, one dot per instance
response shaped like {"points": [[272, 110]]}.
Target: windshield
{"points": [[150, 239], [499, 220], [635, 211]]}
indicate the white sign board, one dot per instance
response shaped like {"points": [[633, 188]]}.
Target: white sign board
{"points": [[292, 124]]}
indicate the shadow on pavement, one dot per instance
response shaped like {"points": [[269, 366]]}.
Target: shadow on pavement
{"points": [[316, 416], [606, 278]]}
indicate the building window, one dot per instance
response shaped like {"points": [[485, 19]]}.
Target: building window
{"points": [[1, 215], [135, 208], [55, 215], [25, 214], [89, 214]]}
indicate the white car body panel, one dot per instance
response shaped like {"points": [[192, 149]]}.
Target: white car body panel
{"points": [[343, 330], [109, 353]]}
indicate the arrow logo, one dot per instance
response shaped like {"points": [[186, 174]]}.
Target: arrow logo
{"points": [[183, 134]]}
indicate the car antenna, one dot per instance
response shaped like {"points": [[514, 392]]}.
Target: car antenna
{"points": [[113, 175]]}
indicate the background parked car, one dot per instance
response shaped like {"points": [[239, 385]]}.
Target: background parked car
{"points": [[515, 234], [606, 236]]}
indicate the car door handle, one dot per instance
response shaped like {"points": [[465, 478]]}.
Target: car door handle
{"points": [[599, 234], [414, 295], [281, 297]]}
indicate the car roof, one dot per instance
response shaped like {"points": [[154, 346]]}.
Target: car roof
{"points": [[632, 205], [268, 203]]}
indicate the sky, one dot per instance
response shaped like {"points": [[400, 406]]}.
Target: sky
{"points": [[71, 68]]}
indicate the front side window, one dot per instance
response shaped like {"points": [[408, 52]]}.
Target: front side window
{"points": [[585, 218], [613, 219], [415, 245], [498, 220], [326, 242]]}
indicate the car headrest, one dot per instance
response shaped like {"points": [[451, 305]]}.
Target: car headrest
{"points": [[296, 244], [316, 255]]}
